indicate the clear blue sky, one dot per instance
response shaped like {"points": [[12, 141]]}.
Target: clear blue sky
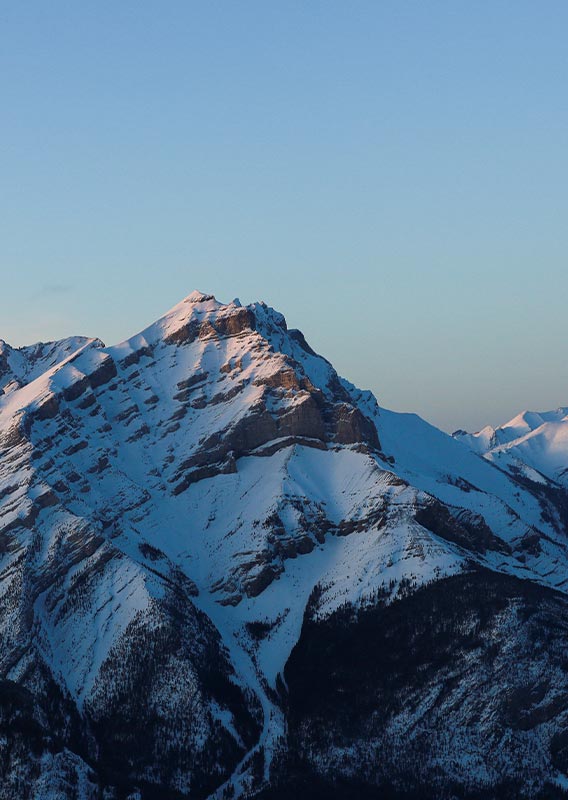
{"points": [[393, 176]]}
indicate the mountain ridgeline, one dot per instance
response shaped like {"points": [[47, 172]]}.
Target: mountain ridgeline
{"points": [[225, 572]]}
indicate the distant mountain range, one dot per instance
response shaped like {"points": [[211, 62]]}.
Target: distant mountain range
{"points": [[535, 443], [226, 572]]}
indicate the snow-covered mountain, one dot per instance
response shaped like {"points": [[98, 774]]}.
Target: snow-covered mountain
{"points": [[226, 572], [533, 443]]}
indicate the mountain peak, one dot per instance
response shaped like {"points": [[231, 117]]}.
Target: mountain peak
{"points": [[185, 514], [198, 297]]}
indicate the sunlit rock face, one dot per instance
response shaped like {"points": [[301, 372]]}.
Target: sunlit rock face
{"points": [[224, 571]]}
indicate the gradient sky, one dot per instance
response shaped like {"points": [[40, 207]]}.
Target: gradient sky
{"points": [[392, 176]]}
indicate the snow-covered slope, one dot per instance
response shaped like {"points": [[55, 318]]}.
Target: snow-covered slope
{"points": [[176, 511], [534, 444], [22, 365]]}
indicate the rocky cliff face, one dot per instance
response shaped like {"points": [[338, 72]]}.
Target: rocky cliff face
{"points": [[224, 571]]}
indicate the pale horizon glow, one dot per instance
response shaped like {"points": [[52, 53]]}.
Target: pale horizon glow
{"points": [[391, 177]]}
